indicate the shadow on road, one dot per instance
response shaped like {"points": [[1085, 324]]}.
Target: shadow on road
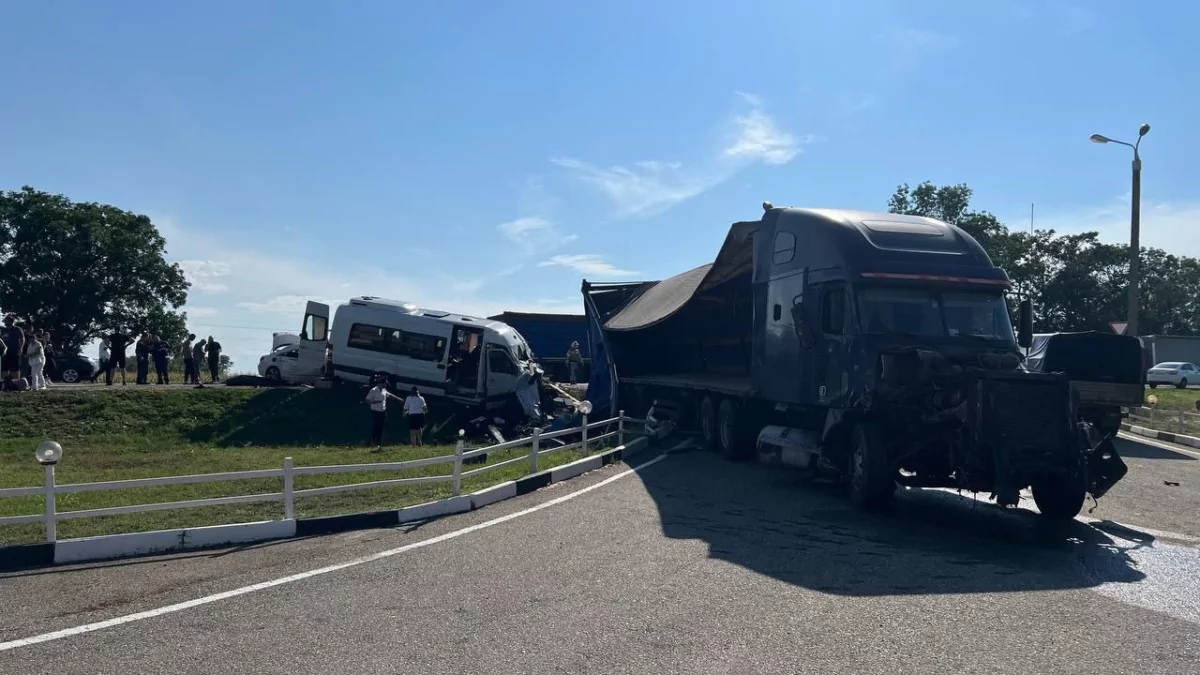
{"points": [[768, 520], [1131, 448]]}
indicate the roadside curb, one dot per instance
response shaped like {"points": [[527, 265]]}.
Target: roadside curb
{"points": [[113, 546], [1162, 435]]}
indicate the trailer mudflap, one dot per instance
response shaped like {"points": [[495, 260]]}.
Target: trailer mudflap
{"points": [[1105, 468]]}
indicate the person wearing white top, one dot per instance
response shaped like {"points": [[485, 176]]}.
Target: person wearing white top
{"points": [[377, 398], [415, 409], [36, 354]]}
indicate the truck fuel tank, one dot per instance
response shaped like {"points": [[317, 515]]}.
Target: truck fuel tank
{"points": [[788, 446]]}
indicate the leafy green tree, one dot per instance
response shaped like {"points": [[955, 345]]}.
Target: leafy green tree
{"points": [[81, 268]]}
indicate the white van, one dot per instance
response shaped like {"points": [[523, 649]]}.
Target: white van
{"points": [[465, 358]]}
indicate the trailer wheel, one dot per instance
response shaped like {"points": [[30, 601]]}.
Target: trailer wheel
{"points": [[1059, 497], [708, 423], [729, 432], [871, 477]]}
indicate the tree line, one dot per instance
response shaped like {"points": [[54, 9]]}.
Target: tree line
{"points": [[1076, 281]]}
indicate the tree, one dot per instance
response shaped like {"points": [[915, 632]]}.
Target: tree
{"points": [[80, 268], [1076, 281]]}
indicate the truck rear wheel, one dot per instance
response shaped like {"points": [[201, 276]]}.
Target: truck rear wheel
{"points": [[729, 432], [708, 423], [871, 477], [1059, 497]]}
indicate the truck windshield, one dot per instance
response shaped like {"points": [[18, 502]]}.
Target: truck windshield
{"points": [[901, 311]]}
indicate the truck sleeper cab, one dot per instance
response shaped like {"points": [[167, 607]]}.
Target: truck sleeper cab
{"points": [[467, 359], [874, 346]]}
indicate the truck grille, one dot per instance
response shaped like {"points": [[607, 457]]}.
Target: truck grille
{"points": [[1025, 417]]}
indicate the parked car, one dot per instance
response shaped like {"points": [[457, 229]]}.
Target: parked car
{"points": [[1178, 373], [280, 364], [72, 368]]}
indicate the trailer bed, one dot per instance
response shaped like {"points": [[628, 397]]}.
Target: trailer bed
{"points": [[732, 385]]}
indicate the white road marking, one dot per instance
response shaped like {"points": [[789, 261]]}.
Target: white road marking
{"points": [[216, 597], [1157, 443]]}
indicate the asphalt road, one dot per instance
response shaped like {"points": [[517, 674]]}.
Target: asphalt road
{"points": [[690, 565]]}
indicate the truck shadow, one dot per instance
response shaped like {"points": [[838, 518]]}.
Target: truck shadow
{"points": [[932, 542]]}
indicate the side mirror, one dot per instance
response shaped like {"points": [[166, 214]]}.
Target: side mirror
{"points": [[800, 324], [1025, 324]]}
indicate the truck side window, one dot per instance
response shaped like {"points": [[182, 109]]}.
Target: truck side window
{"points": [[833, 311], [785, 248]]}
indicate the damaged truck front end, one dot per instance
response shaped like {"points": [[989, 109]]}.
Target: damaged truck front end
{"points": [[979, 422]]}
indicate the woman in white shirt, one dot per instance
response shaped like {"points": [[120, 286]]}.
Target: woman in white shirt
{"points": [[377, 398], [36, 353], [415, 409]]}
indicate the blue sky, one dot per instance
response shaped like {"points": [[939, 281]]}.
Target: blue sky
{"points": [[486, 156]]}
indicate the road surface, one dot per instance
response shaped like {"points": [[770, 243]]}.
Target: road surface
{"points": [[689, 565]]}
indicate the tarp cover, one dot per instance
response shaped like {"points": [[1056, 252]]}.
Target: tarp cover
{"points": [[670, 295], [1091, 356]]}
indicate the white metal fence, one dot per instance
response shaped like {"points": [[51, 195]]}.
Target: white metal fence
{"points": [[1178, 421], [50, 489]]}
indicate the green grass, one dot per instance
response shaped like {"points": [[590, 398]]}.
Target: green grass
{"points": [[1170, 409], [122, 433]]}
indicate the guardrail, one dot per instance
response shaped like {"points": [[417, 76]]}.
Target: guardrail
{"points": [[1177, 421], [50, 489]]}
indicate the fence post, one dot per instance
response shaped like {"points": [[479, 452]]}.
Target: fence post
{"points": [[620, 428], [458, 453], [289, 497], [51, 518], [583, 440], [535, 449]]}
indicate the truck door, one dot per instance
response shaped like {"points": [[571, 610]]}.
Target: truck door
{"points": [[832, 378], [314, 336]]}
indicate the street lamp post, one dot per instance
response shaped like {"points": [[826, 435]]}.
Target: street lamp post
{"points": [[1135, 225]]}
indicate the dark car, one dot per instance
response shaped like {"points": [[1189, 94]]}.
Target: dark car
{"points": [[70, 368]]}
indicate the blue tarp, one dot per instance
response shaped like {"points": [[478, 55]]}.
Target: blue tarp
{"points": [[602, 391]]}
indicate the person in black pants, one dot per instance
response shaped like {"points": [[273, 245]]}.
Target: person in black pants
{"points": [[118, 342], [142, 351], [190, 374], [214, 359], [377, 398], [160, 353]]}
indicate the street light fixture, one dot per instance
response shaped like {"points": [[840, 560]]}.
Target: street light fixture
{"points": [[1135, 225]]}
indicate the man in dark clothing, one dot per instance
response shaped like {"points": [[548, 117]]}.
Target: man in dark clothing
{"points": [[189, 361], [118, 342], [198, 359], [214, 358], [161, 355], [14, 338], [141, 351]]}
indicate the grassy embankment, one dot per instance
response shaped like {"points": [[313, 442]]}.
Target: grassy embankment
{"points": [[1173, 410], [115, 434]]}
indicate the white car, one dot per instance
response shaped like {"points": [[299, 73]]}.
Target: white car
{"points": [[280, 364], [1177, 373]]}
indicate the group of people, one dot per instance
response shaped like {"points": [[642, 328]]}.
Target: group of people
{"points": [[413, 406], [25, 348], [149, 349]]}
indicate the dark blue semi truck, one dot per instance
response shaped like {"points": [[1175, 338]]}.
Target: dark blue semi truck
{"points": [[872, 346]]}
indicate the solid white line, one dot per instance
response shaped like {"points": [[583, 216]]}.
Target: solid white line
{"points": [[208, 599], [1134, 438]]}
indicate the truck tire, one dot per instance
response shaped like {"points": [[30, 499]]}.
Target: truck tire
{"points": [[708, 423], [1059, 498], [871, 479], [729, 432]]}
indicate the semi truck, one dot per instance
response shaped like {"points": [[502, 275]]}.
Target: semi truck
{"points": [[874, 347]]}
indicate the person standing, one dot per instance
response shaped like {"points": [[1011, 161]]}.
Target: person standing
{"points": [[141, 352], [14, 338], [118, 342], [35, 352], [213, 350], [197, 359], [377, 398], [574, 361], [51, 367], [415, 409], [189, 360], [105, 355], [161, 355]]}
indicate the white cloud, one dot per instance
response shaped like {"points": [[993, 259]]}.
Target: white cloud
{"points": [[586, 263], [650, 187], [534, 235], [201, 274], [1171, 226], [643, 189]]}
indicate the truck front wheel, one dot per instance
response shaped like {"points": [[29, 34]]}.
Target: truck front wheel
{"points": [[1059, 497], [708, 423], [871, 477]]}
